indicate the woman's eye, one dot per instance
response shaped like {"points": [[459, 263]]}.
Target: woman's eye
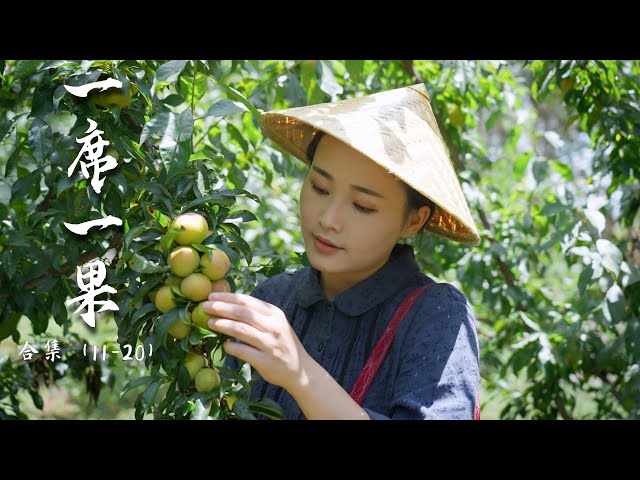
{"points": [[360, 208], [318, 189], [364, 209]]}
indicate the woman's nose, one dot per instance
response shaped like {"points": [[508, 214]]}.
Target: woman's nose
{"points": [[331, 217]]}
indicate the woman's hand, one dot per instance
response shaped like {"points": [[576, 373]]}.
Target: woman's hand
{"points": [[269, 343]]}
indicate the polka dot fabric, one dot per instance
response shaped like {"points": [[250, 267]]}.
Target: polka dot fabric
{"points": [[431, 370]]}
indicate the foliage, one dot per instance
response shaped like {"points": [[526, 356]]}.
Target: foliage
{"points": [[546, 152]]}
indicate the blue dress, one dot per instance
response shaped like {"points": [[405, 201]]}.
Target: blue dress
{"points": [[432, 368]]}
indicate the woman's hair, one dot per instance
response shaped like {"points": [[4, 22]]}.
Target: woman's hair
{"points": [[415, 200]]}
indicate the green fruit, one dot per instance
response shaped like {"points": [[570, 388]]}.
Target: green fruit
{"points": [[195, 228], [194, 363], [221, 285], [152, 296], [206, 380], [200, 317], [164, 299], [180, 328], [196, 287], [113, 96], [456, 117], [215, 264], [183, 261]]}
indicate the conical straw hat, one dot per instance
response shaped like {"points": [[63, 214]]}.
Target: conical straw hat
{"points": [[396, 129]]}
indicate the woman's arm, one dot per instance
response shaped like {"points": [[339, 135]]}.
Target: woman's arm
{"points": [[270, 345], [320, 397]]}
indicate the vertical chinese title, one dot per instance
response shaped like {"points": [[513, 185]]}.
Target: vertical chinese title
{"points": [[89, 158]]}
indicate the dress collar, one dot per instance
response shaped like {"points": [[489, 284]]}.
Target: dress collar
{"points": [[366, 294]]}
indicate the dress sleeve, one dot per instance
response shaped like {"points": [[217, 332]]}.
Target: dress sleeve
{"points": [[438, 375]]}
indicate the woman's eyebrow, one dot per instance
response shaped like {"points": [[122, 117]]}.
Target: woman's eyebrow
{"points": [[359, 188]]}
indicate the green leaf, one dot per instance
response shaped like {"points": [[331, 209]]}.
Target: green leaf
{"points": [[42, 102], [245, 215], [551, 209], [562, 169], [610, 254], [156, 126], [150, 393], [183, 377], [596, 219], [176, 141], [237, 137], [540, 170], [245, 371], [24, 68], [23, 186], [200, 412], [595, 202], [203, 155], [492, 119], [236, 95], [58, 308], [354, 67], [141, 312], [37, 399], [225, 107], [166, 320], [6, 128], [328, 83], [58, 95], [168, 73], [585, 278], [13, 160], [238, 242], [215, 198], [534, 90], [193, 91], [242, 410], [136, 383], [615, 303], [133, 233], [142, 265], [67, 182], [9, 325], [183, 126], [293, 92], [57, 64], [267, 407], [40, 139]]}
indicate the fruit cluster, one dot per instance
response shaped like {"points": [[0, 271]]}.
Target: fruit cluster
{"points": [[193, 277]]}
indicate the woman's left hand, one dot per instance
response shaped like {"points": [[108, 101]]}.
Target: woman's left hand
{"points": [[269, 343]]}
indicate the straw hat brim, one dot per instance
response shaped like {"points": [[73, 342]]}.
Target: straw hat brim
{"points": [[397, 130]]}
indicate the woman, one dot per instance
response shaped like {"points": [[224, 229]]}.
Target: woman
{"points": [[362, 333]]}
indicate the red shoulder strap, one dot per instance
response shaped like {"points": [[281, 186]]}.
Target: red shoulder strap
{"points": [[372, 365]]}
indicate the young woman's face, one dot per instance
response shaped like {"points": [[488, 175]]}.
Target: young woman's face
{"points": [[354, 203]]}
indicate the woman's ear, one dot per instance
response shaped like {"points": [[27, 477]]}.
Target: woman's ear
{"points": [[416, 221]]}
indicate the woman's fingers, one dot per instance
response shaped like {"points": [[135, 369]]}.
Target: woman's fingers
{"points": [[242, 308], [242, 299], [240, 330]]}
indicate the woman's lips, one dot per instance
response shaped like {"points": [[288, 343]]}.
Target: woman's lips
{"points": [[324, 247], [326, 241]]}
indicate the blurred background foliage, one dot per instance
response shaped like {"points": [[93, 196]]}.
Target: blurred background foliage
{"points": [[547, 153]]}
